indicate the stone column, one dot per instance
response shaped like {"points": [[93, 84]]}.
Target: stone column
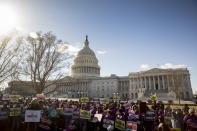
{"points": [[150, 87], [145, 82], [163, 82], [154, 82], [141, 82], [159, 87], [168, 82], [173, 82]]}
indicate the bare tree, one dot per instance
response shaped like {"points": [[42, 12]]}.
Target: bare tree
{"points": [[44, 61], [178, 85], [10, 56]]}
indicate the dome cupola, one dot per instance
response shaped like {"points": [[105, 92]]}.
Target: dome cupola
{"points": [[86, 63]]}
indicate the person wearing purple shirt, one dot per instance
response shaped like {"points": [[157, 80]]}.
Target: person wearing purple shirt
{"points": [[190, 121]]}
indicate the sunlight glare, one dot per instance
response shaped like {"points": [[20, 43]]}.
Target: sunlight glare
{"points": [[9, 19]]}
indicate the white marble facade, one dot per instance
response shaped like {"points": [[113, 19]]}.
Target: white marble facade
{"points": [[85, 81]]}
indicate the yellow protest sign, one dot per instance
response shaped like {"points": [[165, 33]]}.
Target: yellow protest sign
{"points": [[116, 98], [154, 98], [85, 114], [105, 112], [15, 111], [119, 124], [60, 110], [105, 101], [84, 100], [14, 98]]}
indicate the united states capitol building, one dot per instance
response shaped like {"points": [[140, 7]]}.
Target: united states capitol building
{"points": [[85, 81]]}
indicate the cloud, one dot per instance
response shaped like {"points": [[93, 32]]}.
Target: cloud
{"points": [[171, 66], [144, 66], [101, 52], [68, 48]]}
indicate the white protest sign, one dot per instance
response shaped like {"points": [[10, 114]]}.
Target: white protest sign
{"points": [[6, 97], [32, 115], [108, 123], [98, 116]]}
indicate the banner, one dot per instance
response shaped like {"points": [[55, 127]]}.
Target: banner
{"points": [[131, 126], [68, 111], [32, 116], [120, 124], [84, 100], [14, 98], [6, 97], [150, 116], [108, 123], [85, 114], [15, 111]]}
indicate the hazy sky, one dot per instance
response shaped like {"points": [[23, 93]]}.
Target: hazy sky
{"points": [[127, 35]]}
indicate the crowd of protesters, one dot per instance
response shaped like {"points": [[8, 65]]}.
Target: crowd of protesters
{"points": [[64, 115]]}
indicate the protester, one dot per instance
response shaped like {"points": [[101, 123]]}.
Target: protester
{"points": [[86, 115]]}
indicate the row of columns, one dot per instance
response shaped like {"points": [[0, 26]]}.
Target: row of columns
{"points": [[151, 82], [86, 70]]}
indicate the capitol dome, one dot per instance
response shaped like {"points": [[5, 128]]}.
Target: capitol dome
{"points": [[86, 63]]}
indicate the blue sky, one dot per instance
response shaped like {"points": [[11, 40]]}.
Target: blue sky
{"points": [[128, 33]]}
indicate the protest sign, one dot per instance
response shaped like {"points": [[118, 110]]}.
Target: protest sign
{"points": [[15, 111], [96, 100], [3, 115], [127, 105], [85, 114], [131, 126], [54, 113], [14, 98], [98, 116], [133, 117], [120, 124], [150, 116], [105, 101], [84, 100], [108, 123], [60, 110], [68, 111], [116, 99], [6, 97], [41, 97], [32, 115], [76, 114], [105, 112]]}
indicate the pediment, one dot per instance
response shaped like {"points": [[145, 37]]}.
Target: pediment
{"points": [[155, 70]]}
